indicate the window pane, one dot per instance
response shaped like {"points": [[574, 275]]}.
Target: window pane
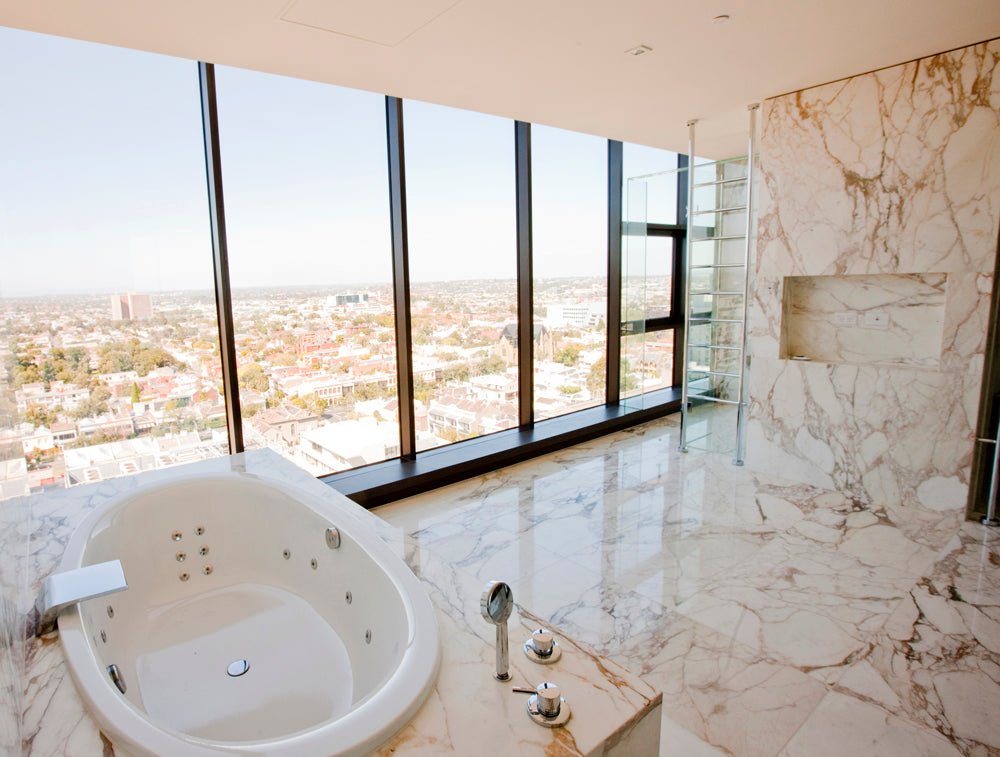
{"points": [[569, 188], [307, 212], [651, 200], [655, 369], [659, 281], [108, 337], [462, 241], [658, 167]]}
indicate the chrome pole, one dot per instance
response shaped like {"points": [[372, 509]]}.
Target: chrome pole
{"points": [[741, 391], [687, 287]]}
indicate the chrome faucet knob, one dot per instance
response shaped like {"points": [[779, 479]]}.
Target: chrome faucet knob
{"points": [[542, 647], [547, 707], [496, 604], [542, 642], [549, 699]]}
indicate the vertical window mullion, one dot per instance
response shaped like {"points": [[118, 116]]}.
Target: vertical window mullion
{"points": [[220, 256], [614, 318], [677, 303], [400, 277], [525, 274]]}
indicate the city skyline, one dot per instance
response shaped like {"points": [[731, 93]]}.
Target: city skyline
{"points": [[332, 287]]}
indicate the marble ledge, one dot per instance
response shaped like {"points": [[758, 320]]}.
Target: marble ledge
{"points": [[614, 712]]}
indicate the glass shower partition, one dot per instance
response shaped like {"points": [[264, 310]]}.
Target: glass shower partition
{"points": [[633, 351], [647, 283]]}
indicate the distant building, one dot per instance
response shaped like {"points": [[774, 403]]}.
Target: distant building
{"points": [[127, 456], [493, 388], [581, 315], [119, 307], [350, 299], [59, 394], [349, 444], [63, 432], [508, 343], [283, 424], [131, 307], [451, 413]]}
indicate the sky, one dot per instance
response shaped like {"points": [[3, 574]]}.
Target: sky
{"points": [[102, 180]]}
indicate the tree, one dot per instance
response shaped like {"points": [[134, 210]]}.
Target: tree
{"points": [[29, 375], [595, 379], [135, 393], [252, 410], [282, 359], [457, 373], [37, 415], [149, 358], [422, 391], [492, 365], [369, 391], [568, 390], [568, 355], [131, 355], [251, 376], [90, 408], [314, 404]]}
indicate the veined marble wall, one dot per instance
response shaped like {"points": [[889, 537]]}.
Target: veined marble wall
{"points": [[13, 548], [896, 171]]}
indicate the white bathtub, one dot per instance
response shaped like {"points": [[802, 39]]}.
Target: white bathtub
{"points": [[341, 643]]}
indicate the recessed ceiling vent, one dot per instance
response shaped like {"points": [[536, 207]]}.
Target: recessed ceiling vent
{"points": [[639, 50], [383, 22]]}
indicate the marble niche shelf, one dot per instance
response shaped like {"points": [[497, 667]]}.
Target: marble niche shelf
{"points": [[888, 319]]}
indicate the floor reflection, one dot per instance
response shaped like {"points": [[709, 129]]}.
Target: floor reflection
{"points": [[769, 612]]}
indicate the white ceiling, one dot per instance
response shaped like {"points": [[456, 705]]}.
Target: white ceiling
{"points": [[555, 62]]}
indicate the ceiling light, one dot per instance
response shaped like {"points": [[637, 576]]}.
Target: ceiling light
{"points": [[639, 50], [720, 19]]}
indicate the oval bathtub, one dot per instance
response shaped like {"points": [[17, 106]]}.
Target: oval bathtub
{"points": [[230, 572]]}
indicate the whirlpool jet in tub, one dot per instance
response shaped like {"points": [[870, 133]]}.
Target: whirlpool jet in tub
{"points": [[258, 620]]}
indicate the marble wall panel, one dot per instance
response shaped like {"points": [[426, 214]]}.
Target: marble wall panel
{"points": [[891, 172], [13, 546]]}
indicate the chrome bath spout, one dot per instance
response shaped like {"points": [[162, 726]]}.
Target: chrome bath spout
{"points": [[72, 586]]}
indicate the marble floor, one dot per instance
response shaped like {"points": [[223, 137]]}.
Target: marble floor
{"points": [[778, 619]]}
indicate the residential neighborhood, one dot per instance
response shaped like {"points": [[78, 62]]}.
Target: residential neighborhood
{"points": [[97, 386]]}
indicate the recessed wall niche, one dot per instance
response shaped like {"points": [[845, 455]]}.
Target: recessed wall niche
{"points": [[881, 319]]}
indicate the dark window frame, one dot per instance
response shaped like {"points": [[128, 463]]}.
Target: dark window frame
{"points": [[412, 472]]}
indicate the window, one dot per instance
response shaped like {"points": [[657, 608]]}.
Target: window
{"points": [[460, 204], [307, 216], [108, 334], [109, 349], [569, 186]]}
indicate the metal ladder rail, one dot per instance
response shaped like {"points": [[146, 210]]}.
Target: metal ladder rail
{"points": [[686, 393], [687, 288], [741, 408]]}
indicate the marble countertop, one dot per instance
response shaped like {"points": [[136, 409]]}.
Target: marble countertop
{"points": [[614, 712]]}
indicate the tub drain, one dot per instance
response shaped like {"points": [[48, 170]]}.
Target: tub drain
{"points": [[238, 668]]}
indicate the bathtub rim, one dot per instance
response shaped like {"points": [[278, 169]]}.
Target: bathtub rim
{"points": [[136, 731]]}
